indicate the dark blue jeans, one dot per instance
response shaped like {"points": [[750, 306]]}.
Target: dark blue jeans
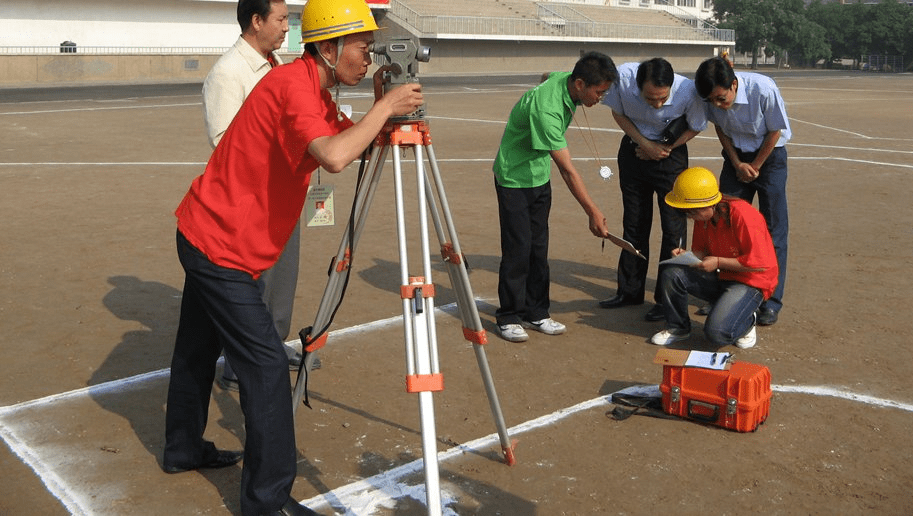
{"points": [[224, 308], [734, 303], [771, 189], [523, 276]]}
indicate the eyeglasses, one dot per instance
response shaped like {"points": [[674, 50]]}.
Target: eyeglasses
{"points": [[718, 99], [722, 99]]}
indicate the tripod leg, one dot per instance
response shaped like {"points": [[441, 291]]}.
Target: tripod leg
{"points": [[469, 313], [423, 372], [339, 270]]}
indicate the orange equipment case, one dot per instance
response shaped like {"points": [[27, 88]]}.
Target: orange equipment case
{"points": [[737, 398]]}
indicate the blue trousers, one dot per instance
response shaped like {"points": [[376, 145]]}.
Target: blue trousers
{"points": [[224, 308], [734, 303], [523, 276], [771, 189]]}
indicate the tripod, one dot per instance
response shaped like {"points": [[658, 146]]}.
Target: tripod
{"points": [[417, 292]]}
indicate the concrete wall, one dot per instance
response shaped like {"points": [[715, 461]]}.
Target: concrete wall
{"points": [[211, 23], [119, 23], [75, 70], [448, 57]]}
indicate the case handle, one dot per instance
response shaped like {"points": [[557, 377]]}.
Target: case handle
{"points": [[707, 418]]}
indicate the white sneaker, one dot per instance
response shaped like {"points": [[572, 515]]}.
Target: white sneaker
{"points": [[666, 337], [513, 333], [547, 326], [748, 340]]}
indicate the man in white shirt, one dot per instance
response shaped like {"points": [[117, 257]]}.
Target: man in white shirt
{"points": [[264, 24]]}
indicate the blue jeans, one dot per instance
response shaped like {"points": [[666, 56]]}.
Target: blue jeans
{"points": [[734, 303], [771, 189]]}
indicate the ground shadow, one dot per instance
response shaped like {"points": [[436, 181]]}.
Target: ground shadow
{"points": [[156, 306], [460, 494]]}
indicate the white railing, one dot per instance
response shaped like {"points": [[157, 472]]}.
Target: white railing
{"points": [[432, 26], [77, 50]]}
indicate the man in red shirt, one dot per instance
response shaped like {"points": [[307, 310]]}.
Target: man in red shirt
{"points": [[232, 225]]}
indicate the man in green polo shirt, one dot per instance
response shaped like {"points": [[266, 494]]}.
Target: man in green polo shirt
{"points": [[533, 138]]}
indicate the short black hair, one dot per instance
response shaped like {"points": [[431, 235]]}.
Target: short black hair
{"points": [[656, 70], [248, 8], [595, 68], [713, 72]]}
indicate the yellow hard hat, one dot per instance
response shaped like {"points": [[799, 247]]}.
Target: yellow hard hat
{"points": [[328, 19], [696, 187]]}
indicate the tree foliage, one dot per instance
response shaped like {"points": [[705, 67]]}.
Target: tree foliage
{"points": [[819, 30]]}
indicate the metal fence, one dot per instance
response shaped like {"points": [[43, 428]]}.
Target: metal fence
{"points": [[881, 63], [65, 48]]}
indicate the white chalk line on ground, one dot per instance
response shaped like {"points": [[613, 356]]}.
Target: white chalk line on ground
{"points": [[77, 502], [382, 490], [357, 498]]}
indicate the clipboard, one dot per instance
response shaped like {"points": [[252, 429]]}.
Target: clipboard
{"points": [[624, 244]]}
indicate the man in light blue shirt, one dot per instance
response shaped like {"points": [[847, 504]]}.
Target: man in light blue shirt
{"points": [[647, 98], [750, 119]]}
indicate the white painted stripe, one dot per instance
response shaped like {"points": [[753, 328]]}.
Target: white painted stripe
{"points": [[381, 490], [76, 110], [445, 160], [860, 135], [107, 164], [73, 501], [824, 390], [126, 384]]}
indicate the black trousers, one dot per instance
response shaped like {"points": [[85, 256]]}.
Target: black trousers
{"points": [[640, 181], [523, 276], [224, 308]]}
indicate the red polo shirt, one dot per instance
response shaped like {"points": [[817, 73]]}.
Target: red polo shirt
{"points": [[241, 211], [746, 238]]}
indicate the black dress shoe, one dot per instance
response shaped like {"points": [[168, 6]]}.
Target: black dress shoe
{"points": [[223, 459], [293, 508], [656, 314], [618, 301], [767, 317]]}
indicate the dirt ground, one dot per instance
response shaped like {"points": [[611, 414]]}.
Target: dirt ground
{"points": [[91, 288]]}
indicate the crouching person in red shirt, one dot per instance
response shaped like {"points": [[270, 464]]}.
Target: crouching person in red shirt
{"points": [[232, 225], [735, 266]]}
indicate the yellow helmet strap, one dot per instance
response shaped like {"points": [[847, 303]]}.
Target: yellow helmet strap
{"points": [[340, 42]]}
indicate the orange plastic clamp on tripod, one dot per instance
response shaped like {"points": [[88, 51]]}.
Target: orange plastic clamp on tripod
{"points": [[313, 345], [343, 265], [450, 255], [418, 133], [425, 383], [476, 337], [408, 291]]}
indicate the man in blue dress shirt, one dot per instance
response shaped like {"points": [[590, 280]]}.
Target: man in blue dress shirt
{"points": [[645, 100], [750, 119]]}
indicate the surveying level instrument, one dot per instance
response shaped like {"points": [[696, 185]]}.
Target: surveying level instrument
{"points": [[423, 375]]}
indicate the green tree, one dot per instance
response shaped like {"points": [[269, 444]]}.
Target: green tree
{"points": [[752, 21], [890, 26], [857, 29], [804, 41]]}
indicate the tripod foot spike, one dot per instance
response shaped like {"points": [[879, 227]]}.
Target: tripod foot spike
{"points": [[509, 453]]}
